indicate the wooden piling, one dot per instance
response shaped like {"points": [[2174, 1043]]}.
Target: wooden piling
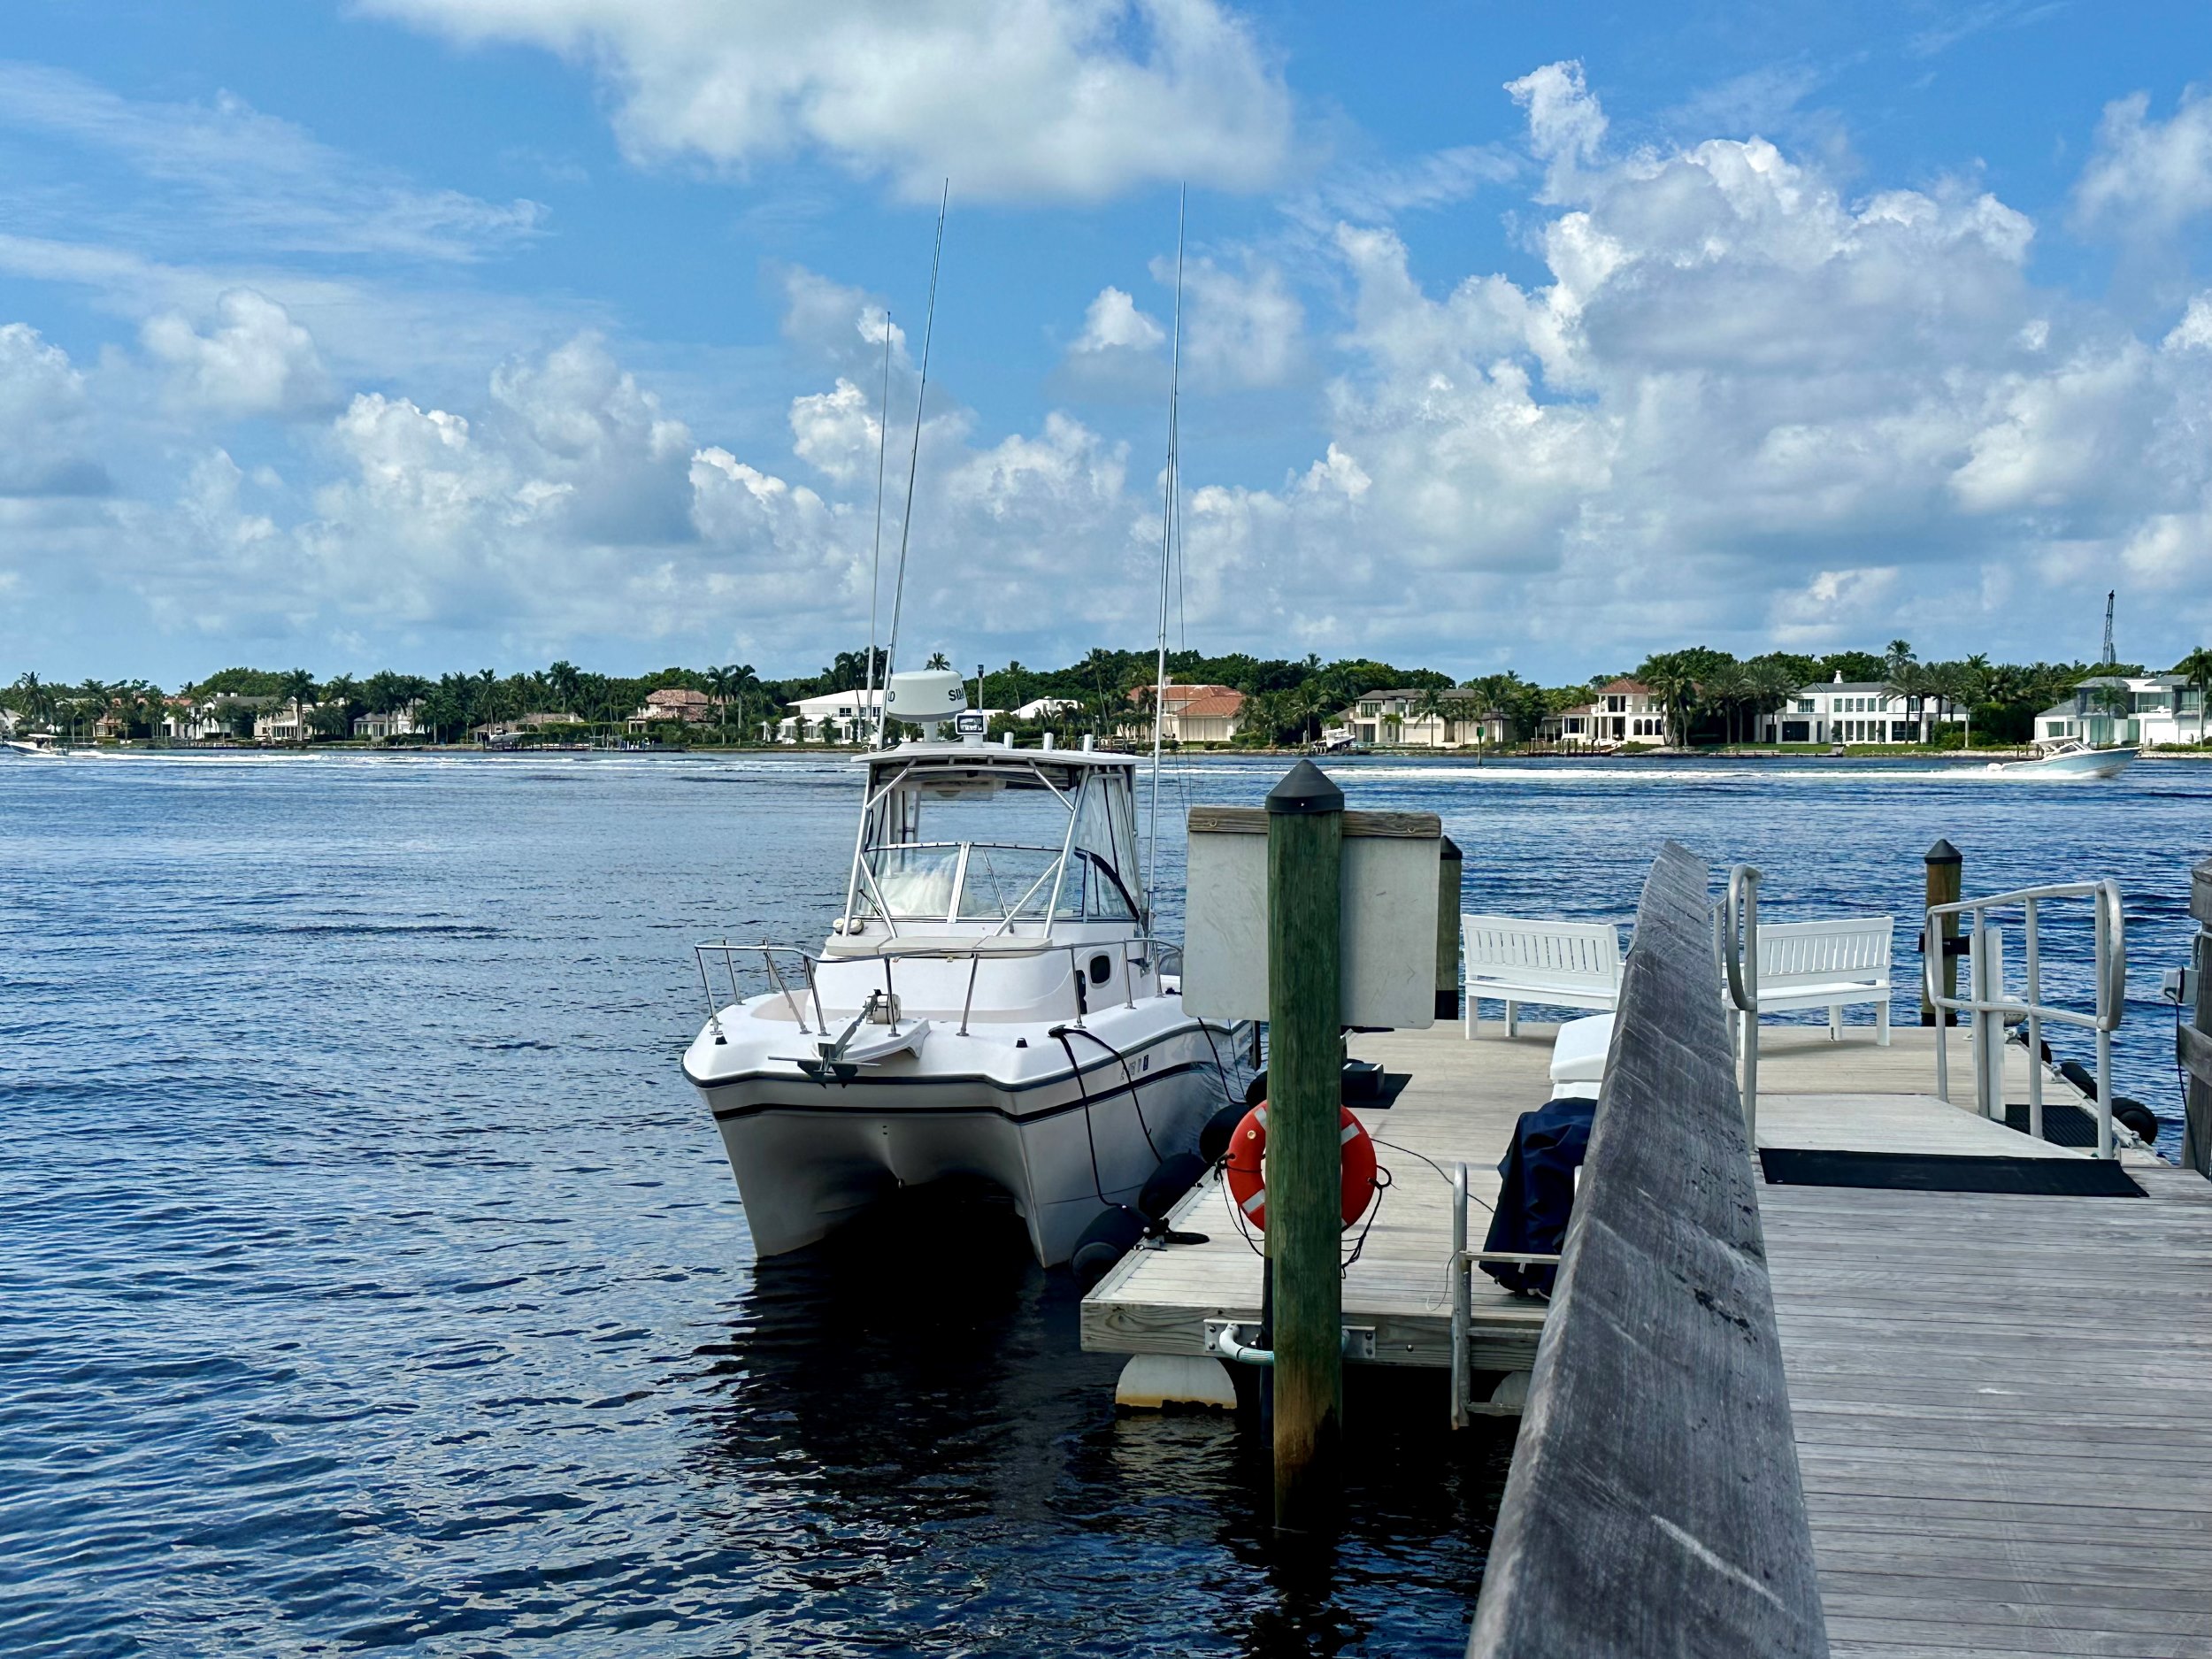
{"points": [[1945, 868], [1450, 870], [2194, 1040], [1305, 830]]}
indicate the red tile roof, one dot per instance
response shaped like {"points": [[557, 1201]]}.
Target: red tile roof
{"points": [[1209, 702]]}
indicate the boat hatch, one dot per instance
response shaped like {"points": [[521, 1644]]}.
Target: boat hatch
{"points": [[1001, 844]]}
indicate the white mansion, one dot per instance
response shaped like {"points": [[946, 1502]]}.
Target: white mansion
{"points": [[2126, 709], [1854, 711]]}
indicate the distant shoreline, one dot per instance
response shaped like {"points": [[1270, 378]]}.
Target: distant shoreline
{"points": [[792, 752]]}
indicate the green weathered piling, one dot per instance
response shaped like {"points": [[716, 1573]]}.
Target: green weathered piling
{"points": [[1305, 836], [1945, 867]]}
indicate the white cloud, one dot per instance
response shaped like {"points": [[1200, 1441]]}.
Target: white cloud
{"points": [[226, 164], [1239, 329], [2193, 332], [256, 360], [1020, 99], [1114, 324], [571, 475], [42, 418], [2147, 176], [1740, 401], [1565, 124]]}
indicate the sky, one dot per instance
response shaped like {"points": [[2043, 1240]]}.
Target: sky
{"points": [[458, 333]]}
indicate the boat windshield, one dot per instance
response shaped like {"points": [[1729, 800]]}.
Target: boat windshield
{"points": [[1001, 844]]}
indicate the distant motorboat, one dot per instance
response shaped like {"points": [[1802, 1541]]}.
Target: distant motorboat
{"points": [[2068, 757], [46, 745]]}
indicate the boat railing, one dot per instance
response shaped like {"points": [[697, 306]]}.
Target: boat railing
{"points": [[800, 961], [796, 982], [1990, 1008]]}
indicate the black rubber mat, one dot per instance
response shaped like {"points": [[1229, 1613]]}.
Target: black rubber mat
{"points": [[2063, 1126], [1930, 1173]]}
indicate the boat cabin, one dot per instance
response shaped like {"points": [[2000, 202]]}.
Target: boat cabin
{"points": [[968, 841]]}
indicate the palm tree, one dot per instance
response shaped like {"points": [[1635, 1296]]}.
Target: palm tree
{"points": [[1965, 684], [937, 659], [2197, 666], [566, 679], [1676, 690], [1433, 705], [1730, 687], [1772, 686], [1909, 681], [744, 683], [721, 683], [298, 687]]}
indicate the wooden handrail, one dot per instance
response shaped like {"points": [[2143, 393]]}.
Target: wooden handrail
{"points": [[1655, 1505]]}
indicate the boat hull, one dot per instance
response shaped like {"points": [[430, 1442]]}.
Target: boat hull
{"points": [[1064, 1142], [2098, 763]]}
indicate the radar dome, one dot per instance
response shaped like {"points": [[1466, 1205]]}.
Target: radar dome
{"points": [[925, 697]]}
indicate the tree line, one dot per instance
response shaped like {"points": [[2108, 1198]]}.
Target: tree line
{"points": [[1707, 696]]}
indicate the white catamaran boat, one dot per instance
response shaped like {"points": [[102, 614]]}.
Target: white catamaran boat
{"points": [[990, 1004], [2068, 757]]}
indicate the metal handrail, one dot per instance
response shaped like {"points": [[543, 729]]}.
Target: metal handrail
{"points": [[1738, 923], [1143, 950], [1989, 1005], [1460, 1267]]}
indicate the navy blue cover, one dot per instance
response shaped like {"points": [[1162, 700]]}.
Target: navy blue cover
{"points": [[1537, 1192]]}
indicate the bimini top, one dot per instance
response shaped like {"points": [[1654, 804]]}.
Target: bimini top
{"points": [[956, 753]]}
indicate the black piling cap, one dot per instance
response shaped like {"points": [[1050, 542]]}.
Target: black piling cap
{"points": [[1305, 787], [1943, 853]]}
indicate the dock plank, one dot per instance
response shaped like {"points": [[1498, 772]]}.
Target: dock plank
{"points": [[2045, 1488]]}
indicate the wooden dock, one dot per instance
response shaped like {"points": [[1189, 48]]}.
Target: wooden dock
{"points": [[1460, 1107], [1999, 1402]]}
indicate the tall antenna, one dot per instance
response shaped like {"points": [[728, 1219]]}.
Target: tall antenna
{"points": [[2109, 656], [1167, 554], [875, 562], [913, 462]]}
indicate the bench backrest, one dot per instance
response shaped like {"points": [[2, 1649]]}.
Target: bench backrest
{"points": [[1856, 947], [1508, 947]]}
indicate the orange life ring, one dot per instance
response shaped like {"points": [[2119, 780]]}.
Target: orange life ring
{"points": [[1246, 1166]]}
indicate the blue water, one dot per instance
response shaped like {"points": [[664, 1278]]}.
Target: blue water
{"points": [[369, 1278]]}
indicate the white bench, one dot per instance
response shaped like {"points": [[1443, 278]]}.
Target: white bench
{"points": [[1826, 964], [1566, 964]]}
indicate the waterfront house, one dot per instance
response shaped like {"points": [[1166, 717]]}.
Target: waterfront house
{"points": [[1854, 711], [835, 716], [507, 734], [1395, 718], [1623, 711], [214, 717], [1190, 714], [673, 705], [2126, 709], [1047, 709], [282, 723], [392, 723], [195, 720]]}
